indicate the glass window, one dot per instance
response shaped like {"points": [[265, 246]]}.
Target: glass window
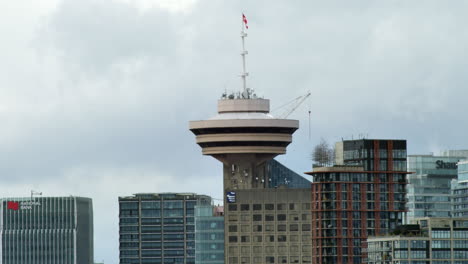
{"points": [[440, 233], [440, 243], [281, 217], [257, 217], [150, 205], [173, 204], [442, 254], [269, 218], [281, 206], [257, 228]]}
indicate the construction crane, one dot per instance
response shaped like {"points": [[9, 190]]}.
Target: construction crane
{"points": [[292, 106]]}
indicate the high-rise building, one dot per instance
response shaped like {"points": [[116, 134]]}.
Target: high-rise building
{"points": [[429, 185], [460, 191], [427, 241], [364, 195], [46, 230], [263, 216], [158, 228]]}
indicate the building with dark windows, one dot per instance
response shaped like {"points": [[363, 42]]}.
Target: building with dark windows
{"points": [[46, 230], [267, 216], [362, 196], [429, 186], [280, 175], [269, 226], [209, 234], [426, 241], [245, 137], [158, 228]]}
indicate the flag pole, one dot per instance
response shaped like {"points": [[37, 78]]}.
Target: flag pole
{"points": [[243, 53]]}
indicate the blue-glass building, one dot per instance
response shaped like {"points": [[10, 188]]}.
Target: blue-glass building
{"points": [[429, 186], [460, 191], [209, 235], [280, 175], [158, 228]]}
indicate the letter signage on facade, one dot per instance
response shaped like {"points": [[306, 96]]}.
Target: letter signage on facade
{"points": [[440, 164], [24, 205]]}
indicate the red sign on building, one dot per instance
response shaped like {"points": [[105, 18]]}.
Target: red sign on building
{"points": [[13, 205]]}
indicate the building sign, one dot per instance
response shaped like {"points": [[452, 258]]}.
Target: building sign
{"points": [[231, 197], [25, 205], [13, 206], [440, 164]]}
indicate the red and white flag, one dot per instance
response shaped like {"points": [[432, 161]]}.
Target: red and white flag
{"points": [[245, 21]]}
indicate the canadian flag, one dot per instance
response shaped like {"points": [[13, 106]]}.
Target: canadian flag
{"points": [[13, 206], [245, 21]]}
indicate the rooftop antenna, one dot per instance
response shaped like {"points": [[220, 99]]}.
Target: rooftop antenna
{"points": [[35, 193], [243, 53]]}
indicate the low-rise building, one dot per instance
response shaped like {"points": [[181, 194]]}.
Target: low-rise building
{"points": [[209, 234], [427, 241]]}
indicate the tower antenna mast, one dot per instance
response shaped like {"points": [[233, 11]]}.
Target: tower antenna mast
{"points": [[244, 52]]}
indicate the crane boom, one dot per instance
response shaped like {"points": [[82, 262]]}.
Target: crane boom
{"points": [[295, 103]]}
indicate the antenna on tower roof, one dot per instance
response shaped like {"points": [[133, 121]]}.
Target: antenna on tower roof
{"points": [[244, 52]]}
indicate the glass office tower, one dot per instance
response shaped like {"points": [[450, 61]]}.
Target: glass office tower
{"points": [[159, 228], [429, 185], [44, 230], [209, 235], [460, 191]]}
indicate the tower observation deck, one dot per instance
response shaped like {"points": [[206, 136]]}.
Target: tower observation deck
{"points": [[244, 135]]}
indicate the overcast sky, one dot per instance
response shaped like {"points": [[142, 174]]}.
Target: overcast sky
{"points": [[96, 95]]}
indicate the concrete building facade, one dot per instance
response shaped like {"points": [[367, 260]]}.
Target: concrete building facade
{"points": [[245, 138], [269, 226], [43, 230]]}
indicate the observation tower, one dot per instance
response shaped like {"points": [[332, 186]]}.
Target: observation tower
{"points": [[244, 135]]}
